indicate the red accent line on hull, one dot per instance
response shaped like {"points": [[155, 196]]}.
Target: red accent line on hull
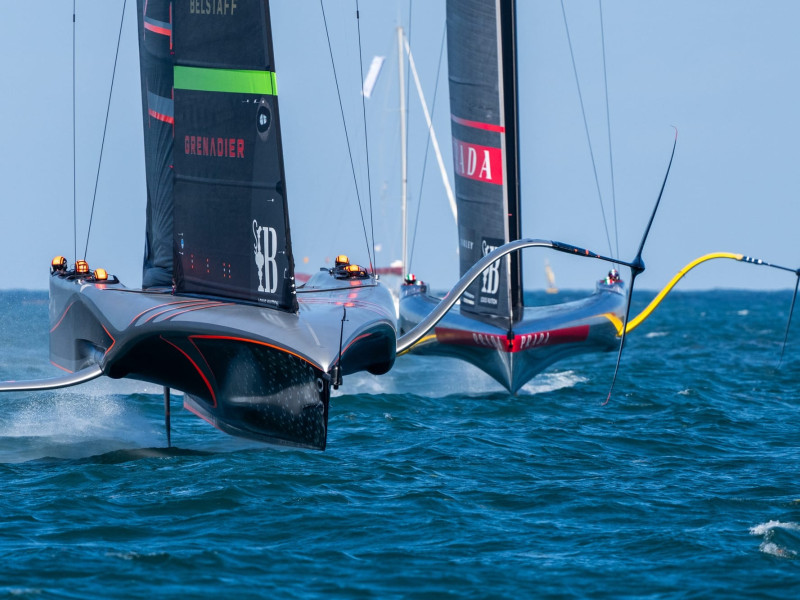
{"points": [[61, 319], [192, 410], [180, 312], [55, 364], [197, 368], [238, 339], [361, 337], [519, 343], [194, 305], [147, 310], [113, 341]]}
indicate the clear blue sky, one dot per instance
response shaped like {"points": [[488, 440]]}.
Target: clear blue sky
{"points": [[724, 72]]}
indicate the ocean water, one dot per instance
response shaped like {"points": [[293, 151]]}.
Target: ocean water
{"points": [[436, 483]]}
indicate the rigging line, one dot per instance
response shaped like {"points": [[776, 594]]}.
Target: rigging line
{"points": [[366, 141], [608, 125], [105, 128], [789, 322], [427, 147], [586, 126], [74, 151], [346, 136]]}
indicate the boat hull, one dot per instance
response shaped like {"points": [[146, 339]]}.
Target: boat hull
{"points": [[513, 356], [253, 372]]}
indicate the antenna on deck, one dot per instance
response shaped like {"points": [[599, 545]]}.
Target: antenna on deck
{"points": [[337, 370]]}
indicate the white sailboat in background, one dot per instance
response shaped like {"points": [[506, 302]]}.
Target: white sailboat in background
{"points": [[551, 279]]}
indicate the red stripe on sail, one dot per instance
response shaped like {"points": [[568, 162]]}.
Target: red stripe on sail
{"points": [[479, 125], [160, 117], [157, 29]]}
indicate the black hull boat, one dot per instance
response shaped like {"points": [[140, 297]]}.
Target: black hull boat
{"points": [[513, 356], [492, 328], [251, 372]]}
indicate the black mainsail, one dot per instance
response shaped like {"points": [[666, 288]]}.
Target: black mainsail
{"points": [[483, 106], [216, 163]]}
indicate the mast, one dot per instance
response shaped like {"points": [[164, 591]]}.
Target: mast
{"points": [[510, 98], [403, 157]]}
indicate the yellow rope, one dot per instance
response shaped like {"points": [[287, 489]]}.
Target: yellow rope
{"points": [[427, 338], [617, 322], [635, 322]]}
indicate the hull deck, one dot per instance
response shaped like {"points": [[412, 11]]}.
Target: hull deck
{"points": [[513, 356]]}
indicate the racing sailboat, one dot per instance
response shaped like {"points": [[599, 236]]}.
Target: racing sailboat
{"points": [[493, 329], [219, 316]]}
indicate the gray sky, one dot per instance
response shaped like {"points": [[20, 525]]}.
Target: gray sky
{"points": [[724, 72]]}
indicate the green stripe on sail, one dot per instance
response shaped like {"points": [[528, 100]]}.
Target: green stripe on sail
{"points": [[225, 80]]}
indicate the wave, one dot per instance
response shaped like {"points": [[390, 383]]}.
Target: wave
{"points": [[444, 376], [74, 423], [766, 528], [552, 381], [778, 538]]}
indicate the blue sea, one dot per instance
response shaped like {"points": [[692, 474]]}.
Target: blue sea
{"points": [[436, 483]]}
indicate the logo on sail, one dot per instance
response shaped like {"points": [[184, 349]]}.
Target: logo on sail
{"points": [[201, 145], [265, 248], [490, 283], [264, 119], [212, 7], [481, 163]]}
